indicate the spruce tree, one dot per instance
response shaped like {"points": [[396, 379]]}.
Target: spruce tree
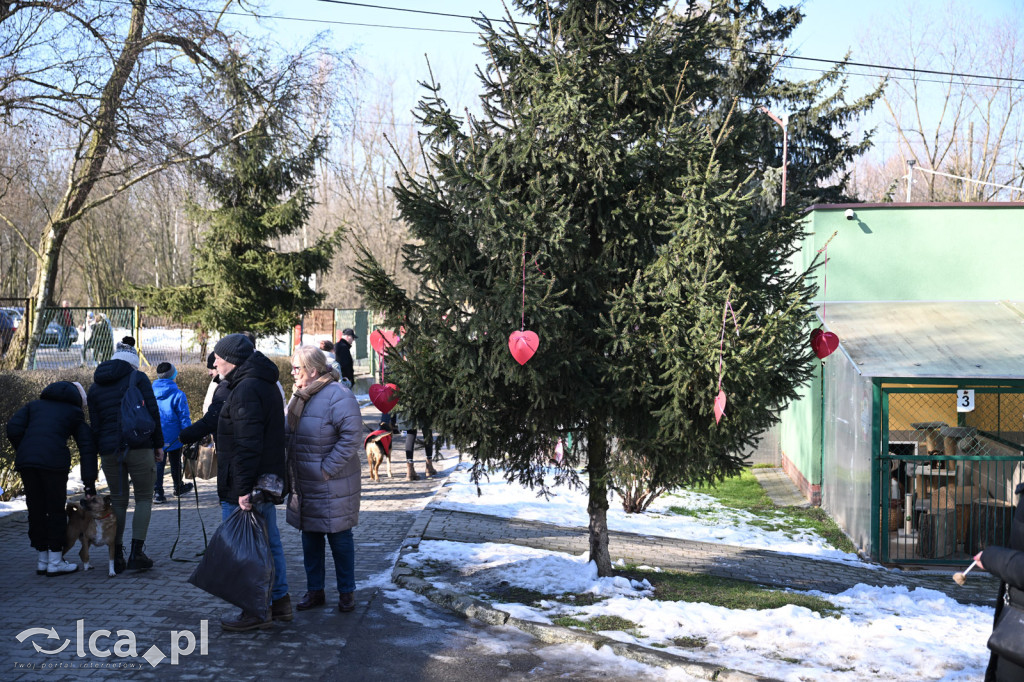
{"points": [[608, 184], [259, 192]]}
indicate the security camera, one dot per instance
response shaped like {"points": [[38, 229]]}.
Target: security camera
{"points": [[849, 214]]}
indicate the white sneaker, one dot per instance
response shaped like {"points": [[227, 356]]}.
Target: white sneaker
{"points": [[42, 563], [57, 565]]}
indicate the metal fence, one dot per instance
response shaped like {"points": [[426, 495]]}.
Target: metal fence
{"points": [[86, 336], [13, 337], [952, 458]]}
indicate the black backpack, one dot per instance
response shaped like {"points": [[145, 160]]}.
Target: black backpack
{"points": [[137, 425]]}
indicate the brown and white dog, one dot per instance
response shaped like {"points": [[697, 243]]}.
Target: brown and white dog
{"points": [[378, 447], [93, 522]]}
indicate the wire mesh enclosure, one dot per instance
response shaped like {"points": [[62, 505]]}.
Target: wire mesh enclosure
{"points": [[950, 461]]}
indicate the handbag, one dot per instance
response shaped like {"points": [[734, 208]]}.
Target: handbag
{"points": [[200, 459], [1007, 640]]}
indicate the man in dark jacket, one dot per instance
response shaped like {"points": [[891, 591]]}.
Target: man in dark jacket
{"points": [[343, 354], [121, 463], [250, 443], [39, 432]]}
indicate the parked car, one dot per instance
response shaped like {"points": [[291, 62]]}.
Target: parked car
{"points": [[51, 336], [7, 327], [16, 315]]}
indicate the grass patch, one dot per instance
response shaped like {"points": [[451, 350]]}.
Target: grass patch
{"points": [[745, 493], [598, 623], [510, 593], [726, 592], [690, 642]]}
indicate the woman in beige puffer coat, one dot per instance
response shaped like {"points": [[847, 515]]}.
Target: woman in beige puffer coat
{"points": [[324, 436]]}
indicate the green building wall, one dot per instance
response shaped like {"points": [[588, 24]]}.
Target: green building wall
{"points": [[899, 252]]}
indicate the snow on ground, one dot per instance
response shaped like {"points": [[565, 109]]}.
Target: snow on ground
{"points": [[568, 507], [75, 487], [884, 633]]}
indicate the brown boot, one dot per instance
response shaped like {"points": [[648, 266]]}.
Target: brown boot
{"points": [[410, 472], [281, 609], [431, 471]]}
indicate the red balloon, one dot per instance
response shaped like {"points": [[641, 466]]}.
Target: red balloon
{"points": [[523, 345], [823, 343], [383, 340], [384, 397]]}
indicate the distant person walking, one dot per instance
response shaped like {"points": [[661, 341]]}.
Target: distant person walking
{"points": [[39, 432], [343, 354], [100, 339], [251, 443], [122, 464], [328, 350], [174, 416], [66, 321], [324, 432]]}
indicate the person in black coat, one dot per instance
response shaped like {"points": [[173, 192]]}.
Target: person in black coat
{"points": [[1007, 564], [123, 465], [39, 432], [343, 354], [250, 443]]}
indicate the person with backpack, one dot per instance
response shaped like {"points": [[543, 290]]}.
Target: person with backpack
{"points": [[126, 427], [174, 416], [39, 432]]}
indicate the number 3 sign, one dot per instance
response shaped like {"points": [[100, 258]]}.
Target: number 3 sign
{"points": [[965, 401]]}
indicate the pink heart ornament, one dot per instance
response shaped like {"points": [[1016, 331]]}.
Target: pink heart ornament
{"points": [[383, 340], [719, 405], [523, 345], [384, 397], [823, 343]]}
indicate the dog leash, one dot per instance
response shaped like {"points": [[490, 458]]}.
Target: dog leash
{"points": [[195, 491]]}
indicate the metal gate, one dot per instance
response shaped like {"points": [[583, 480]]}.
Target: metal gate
{"points": [[950, 459]]}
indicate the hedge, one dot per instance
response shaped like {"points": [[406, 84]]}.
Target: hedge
{"points": [[20, 387]]}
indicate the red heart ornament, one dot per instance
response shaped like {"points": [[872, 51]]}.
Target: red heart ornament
{"points": [[523, 345], [823, 343], [384, 397], [719, 405], [383, 340]]}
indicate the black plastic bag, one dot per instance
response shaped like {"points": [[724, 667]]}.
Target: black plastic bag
{"points": [[237, 565]]}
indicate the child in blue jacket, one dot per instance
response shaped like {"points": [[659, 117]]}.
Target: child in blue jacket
{"points": [[174, 416]]}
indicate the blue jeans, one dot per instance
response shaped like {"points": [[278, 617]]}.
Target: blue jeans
{"points": [[343, 549], [269, 514]]}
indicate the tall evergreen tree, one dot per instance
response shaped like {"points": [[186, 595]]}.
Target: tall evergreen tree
{"points": [[610, 187], [260, 191]]}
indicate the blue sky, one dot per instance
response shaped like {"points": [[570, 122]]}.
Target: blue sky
{"points": [[831, 27]]}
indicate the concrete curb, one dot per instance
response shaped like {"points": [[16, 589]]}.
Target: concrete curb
{"points": [[471, 607]]}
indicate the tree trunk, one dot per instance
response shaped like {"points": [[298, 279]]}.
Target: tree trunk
{"points": [[42, 289], [597, 507]]}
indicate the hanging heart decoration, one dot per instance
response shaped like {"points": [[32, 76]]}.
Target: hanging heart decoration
{"points": [[383, 340], [523, 345], [823, 343], [384, 397], [719, 408], [719, 405]]}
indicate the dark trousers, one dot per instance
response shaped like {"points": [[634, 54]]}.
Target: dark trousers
{"points": [[428, 443], [46, 499], [174, 457]]}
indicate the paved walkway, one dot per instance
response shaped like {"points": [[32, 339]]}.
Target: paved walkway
{"points": [[155, 604], [159, 610]]}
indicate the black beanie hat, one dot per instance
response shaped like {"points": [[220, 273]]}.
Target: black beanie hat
{"points": [[165, 370], [235, 348], [209, 360]]}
